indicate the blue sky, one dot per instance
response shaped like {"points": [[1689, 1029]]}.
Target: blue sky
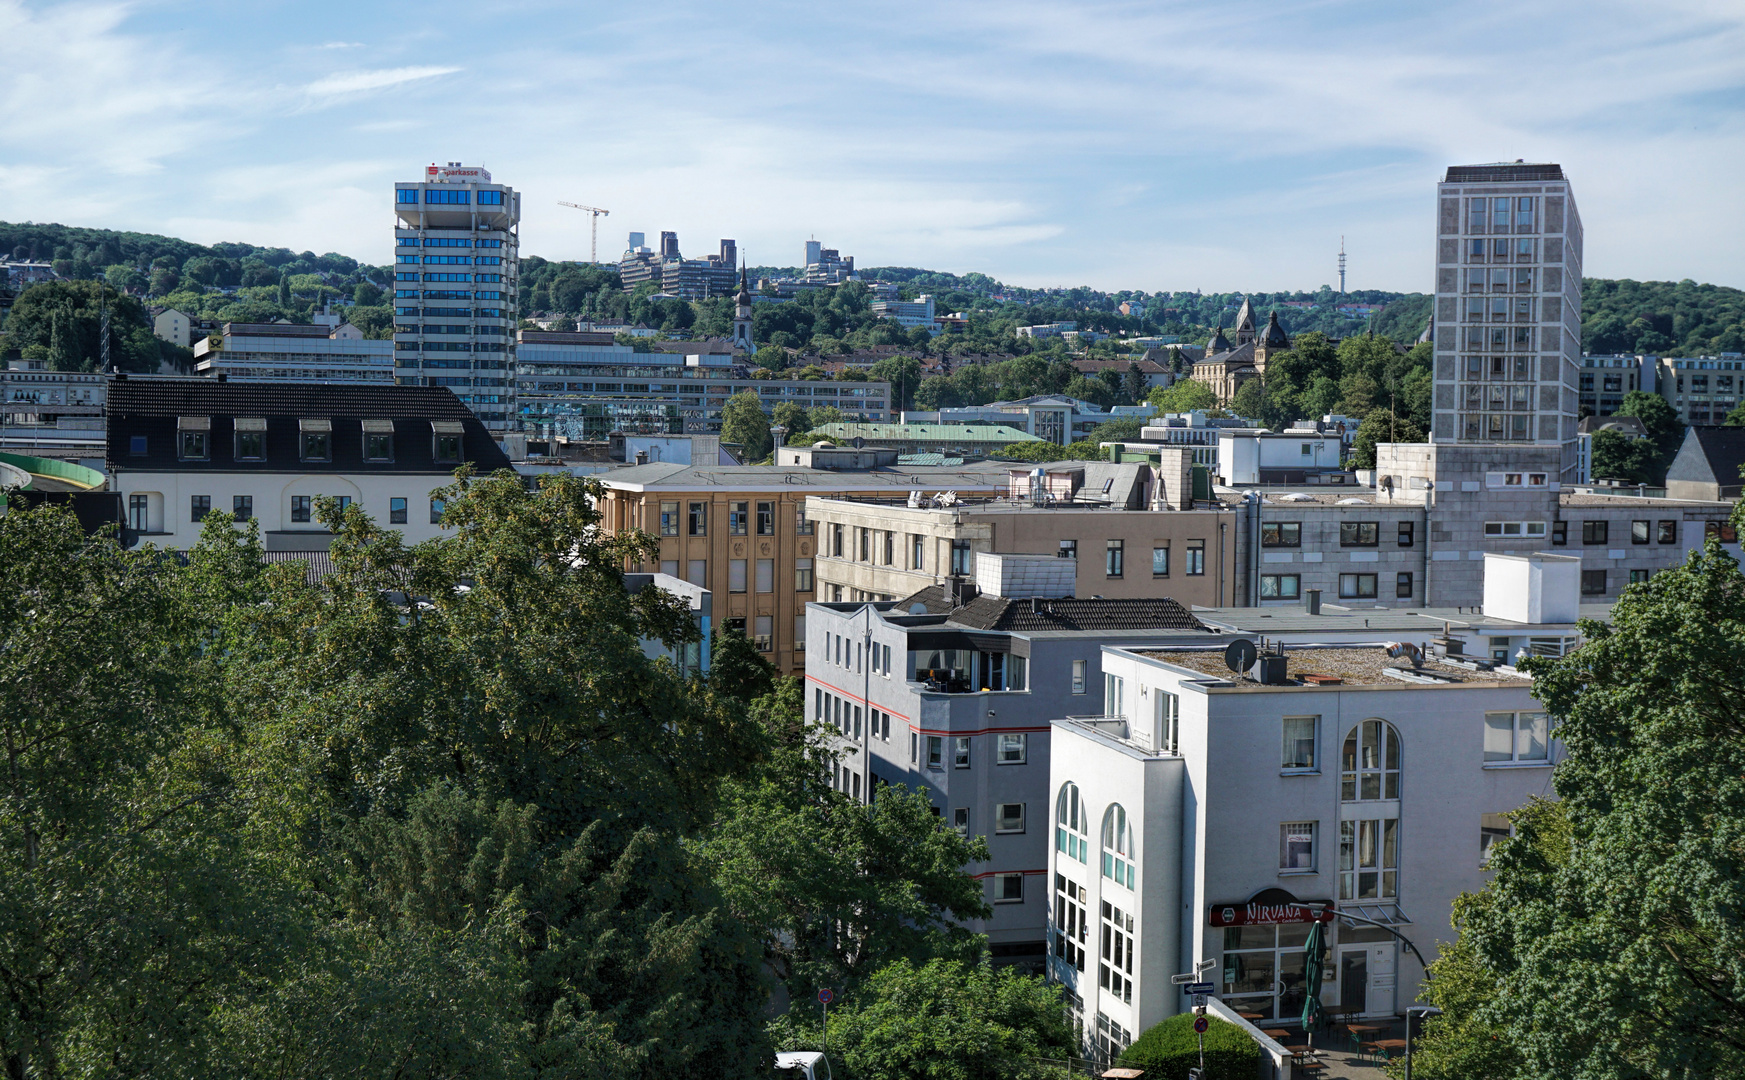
{"points": [[1217, 146]]}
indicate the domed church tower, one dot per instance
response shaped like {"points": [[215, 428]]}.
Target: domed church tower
{"points": [[1273, 340]]}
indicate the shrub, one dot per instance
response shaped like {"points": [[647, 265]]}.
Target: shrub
{"points": [[1168, 1050]]}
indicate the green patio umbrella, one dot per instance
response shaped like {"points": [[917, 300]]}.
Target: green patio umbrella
{"points": [[1312, 971]]}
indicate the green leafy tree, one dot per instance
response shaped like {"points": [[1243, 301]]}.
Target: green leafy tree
{"points": [[1171, 1048], [944, 1020], [1616, 456], [792, 416], [743, 421], [366, 294], [1185, 396], [1094, 391], [824, 414], [937, 392], [737, 669], [1358, 392], [904, 375], [1381, 426], [1665, 430], [1133, 384], [1253, 401]]}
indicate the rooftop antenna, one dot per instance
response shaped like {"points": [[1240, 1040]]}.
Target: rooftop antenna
{"points": [[1341, 266]]}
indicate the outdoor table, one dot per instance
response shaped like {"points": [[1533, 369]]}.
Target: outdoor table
{"points": [[1251, 1017], [1391, 1047], [1366, 1029], [1279, 1034]]}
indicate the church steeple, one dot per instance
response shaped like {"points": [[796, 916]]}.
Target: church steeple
{"points": [[1219, 343], [742, 315], [1245, 323]]}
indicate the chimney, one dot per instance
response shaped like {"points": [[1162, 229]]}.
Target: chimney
{"points": [[642, 457], [1314, 599]]}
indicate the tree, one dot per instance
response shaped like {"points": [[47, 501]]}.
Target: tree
{"points": [[937, 392], [823, 414], [743, 421], [1171, 1048], [944, 1020], [1613, 950], [737, 669], [771, 358], [1185, 396], [1381, 426], [1251, 401], [365, 294], [1357, 393], [1133, 383], [1665, 429], [1091, 390], [904, 375], [792, 416], [1616, 456], [1736, 418], [64, 318]]}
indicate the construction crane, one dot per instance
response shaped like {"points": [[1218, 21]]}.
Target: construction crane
{"points": [[594, 245]]}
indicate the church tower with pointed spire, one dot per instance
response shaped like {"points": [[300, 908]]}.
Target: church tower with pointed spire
{"points": [[742, 316], [1244, 330]]}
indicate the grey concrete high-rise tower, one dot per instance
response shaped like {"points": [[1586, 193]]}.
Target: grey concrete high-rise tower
{"points": [[1508, 308], [457, 260]]}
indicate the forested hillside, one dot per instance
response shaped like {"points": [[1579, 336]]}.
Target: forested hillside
{"points": [[1661, 318]]}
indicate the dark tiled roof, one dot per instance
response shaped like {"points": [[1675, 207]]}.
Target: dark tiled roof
{"points": [[1069, 613], [151, 408]]}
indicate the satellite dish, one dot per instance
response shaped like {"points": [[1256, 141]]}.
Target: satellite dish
{"points": [[1240, 655], [917, 608]]}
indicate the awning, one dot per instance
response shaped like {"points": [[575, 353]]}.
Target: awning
{"points": [[1386, 914]]}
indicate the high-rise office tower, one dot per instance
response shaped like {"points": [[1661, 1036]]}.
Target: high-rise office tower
{"points": [[1508, 308], [457, 259]]}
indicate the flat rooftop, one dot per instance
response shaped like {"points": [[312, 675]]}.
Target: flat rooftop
{"points": [[1333, 666]]}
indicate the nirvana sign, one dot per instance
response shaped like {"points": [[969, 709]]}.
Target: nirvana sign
{"points": [[1267, 912]]}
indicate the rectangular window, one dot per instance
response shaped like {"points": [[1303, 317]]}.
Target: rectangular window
{"points": [[960, 820], [1067, 549], [1299, 742], [1593, 532], [736, 515], [1559, 533], [1115, 974], [1008, 888], [317, 445], [735, 575], [1593, 583], [436, 511], [1296, 847], [1281, 534], [1406, 528], [889, 552], [1637, 577], [138, 512], [865, 545], [1359, 533], [1169, 721], [836, 541], [1114, 695], [762, 634], [766, 519], [799, 633], [396, 511], [1723, 531], [1667, 532], [1078, 676], [1639, 531], [936, 752], [960, 752], [1492, 828], [1280, 586], [669, 519], [697, 572], [198, 507], [961, 560], [1009, 817], [1369, 859], [802, 575], [242, 507], [917, 548], [1196, 558], [300, 508], [1014, 749], [766, 575], [136, 446], [802, 527], [445, 447], [378, 446], [1403, 585], [1357, 586], [1114, 558], [193, 446], [1517, 737], [697, 523], [251, 446]]}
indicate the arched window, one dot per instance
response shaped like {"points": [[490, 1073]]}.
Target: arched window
{"points": [[1118, 853], [1072, 825], [1369, 766]]}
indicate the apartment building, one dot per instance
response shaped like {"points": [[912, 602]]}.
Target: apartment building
{"points": [[585, 385], [675, 275], [286, 352], [742, 532], [958, 439], [908, 313], [457, 257], [56, 414], [1606, 379], [1508, 308], [1701, 389], [178, 449]]}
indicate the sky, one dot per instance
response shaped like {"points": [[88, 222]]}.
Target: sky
{"points": [[1155, 146]]}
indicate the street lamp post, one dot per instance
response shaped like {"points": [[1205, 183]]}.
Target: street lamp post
{"points": [[1421, 1010]]}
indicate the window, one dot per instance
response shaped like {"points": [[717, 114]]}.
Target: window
{"points": [[1359, 533], [192, 446], [1723, 531], [836, 541], [1078, 676], [138, 512], [1299, 743], [436, 511], [913, 740], [802, 575], [936, 752], [1068, 549], [316, 445], [1506, 529], [1008, 888], [1115, 558], [1406, 534], [1009, 817], [1667, 533], [1637, 577], [669, 519], [1639, 531], [198, 507], [766, 519], [406, 195], [378, 445], [1403, 585], [1160, 561], [1114, 695], [1369, 764], [960, 820], [136, 446], [242, 507], [490, 198], [865, 545], [1593, 532], [766, 575], [697, 572], [1357, 586], [251, 445], [763, 634], [300, 508], [1296, 847], [448, 196], [1118, 855], [1169, 721], [1069, 921], [697, 521], [1369, 859], [396, 511], [961, 563], [1280, 586], [1196, 563], [888, 555], [960, 752], [1593, 582], [735, 575], [1517, 737], [1559, 533], [1281, 534], [917, 548], [1115, 967], [800, 639], [1492, 829], [446, 446], [736, 515], [1014, 749], [1072, 826], [802, 527]]}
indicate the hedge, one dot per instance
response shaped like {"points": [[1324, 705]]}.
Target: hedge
{"points": [[1168, 1050]]}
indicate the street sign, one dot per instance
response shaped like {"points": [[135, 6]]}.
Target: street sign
{"points": [[1199, 1001], [826, 996], [1199, 988], [1200, 1025]]}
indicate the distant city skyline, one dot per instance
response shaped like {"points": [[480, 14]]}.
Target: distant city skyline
{"points": [[1136, 146]]}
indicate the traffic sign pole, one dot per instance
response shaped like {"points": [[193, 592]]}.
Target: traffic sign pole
{"points": [[824, 998]]}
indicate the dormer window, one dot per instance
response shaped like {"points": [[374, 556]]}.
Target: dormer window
{"points": [[315, 438], [251, 438], [446, 446], [193, 438], [378, 440]]}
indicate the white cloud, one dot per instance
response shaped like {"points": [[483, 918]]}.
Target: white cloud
{"points": [[357, 82], [342, 45]]}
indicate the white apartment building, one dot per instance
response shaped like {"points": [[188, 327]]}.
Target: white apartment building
{"points": [[287, 352], [909, 313], [456, 264]]}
